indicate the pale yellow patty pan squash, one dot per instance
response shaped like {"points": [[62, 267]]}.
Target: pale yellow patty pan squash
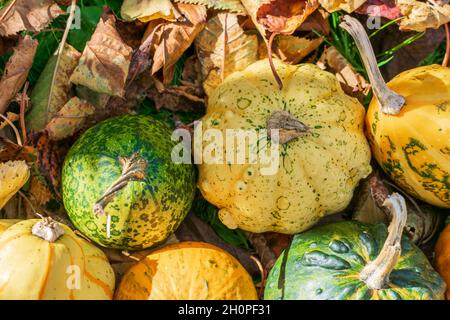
{"points": [[317, 171], [43, 259]]}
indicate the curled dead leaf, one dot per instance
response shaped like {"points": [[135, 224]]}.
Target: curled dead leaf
{"points": [[172, 39], [13, 175], [10, 151], [293, 49], [284, 16], [69, 119], [351, 81], [223, 48], [419, 16], [30, 15], [39, 191], [16, 71], [346, 5], [105, 61], [147, 10]]}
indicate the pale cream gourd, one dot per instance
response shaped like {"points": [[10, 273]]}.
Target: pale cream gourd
{"points": [[318, 170]]}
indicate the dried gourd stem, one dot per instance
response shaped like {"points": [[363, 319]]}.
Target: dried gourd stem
{"points": [[272, 66], [376, 273], [407, 196], [390, 102], [129, 255], [283, 127], [447, 46], [8, 10], [16, 132], [47, 229], [263, 274], [23, 105], [133, 169]]}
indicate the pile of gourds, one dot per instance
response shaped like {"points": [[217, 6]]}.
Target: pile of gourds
{"points": [[122, 190]]}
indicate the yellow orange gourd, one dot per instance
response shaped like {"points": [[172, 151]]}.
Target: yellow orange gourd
{"points": [[322, 152], [442, 257], [43, 259], [408, 125], [187, 271]]}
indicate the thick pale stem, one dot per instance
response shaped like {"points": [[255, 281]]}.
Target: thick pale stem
{"points": [[390, 101], [376, 273], [47, 229], [286, 125], [133, 169]]}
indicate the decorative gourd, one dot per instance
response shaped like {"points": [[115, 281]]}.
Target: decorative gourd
{"points": [[323, 151], [409, 129], [187, 271], [120, 186], [6, 223], [348, 261], [442, 256], [43, 259]]}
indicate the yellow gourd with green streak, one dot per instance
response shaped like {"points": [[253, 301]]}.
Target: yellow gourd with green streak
{"points": [[322, 153]]}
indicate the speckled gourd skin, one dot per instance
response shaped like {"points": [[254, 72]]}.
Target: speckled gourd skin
{"points": [[324, 264], [413, 147], [187, 271], [144, 212], [35, 269], [317, 172]]}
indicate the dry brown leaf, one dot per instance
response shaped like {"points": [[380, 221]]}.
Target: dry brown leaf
{"points": [[105, 61], [351, 81], [40, 193], [336, 5], [419, 16], [13, 175], [223, 48], [293, 49], [234, 6], [173, 38], [11, 116], [16, 71], [284, 16], [10, 151], [52, 89], [69, 119], [30, 15], [147, 10]]}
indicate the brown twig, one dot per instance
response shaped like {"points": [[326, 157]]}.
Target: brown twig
{"points": [[272, 66], [225, 41], [23, 105], [8, 10], [447, 46]]}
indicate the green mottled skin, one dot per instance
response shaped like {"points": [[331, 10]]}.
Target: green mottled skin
{"points": [[324, 263], [144, 212]]}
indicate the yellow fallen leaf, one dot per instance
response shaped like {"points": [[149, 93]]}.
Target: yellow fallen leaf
{"points": [[346, 5], [69, 119], [293, 49], [13, 175], [30, 15], [105, 61], [147, 10], [233, 6], [222, 48], [419, 16]]}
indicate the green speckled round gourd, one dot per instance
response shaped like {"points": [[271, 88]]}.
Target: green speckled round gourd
{"points": [[120, 186], [355, 261]]}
